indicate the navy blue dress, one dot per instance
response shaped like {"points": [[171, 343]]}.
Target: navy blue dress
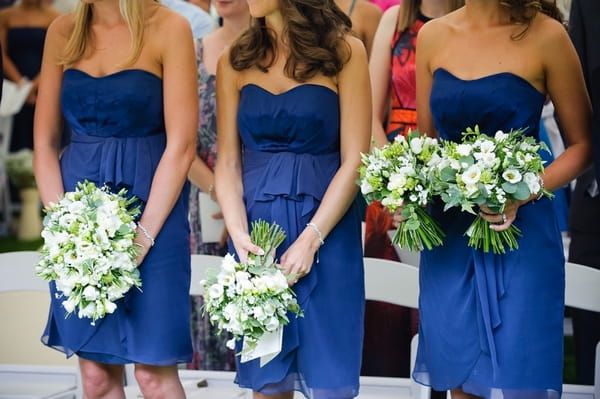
{"points": [[291, 151], [118, 139], [492, 324], [24, 46]]}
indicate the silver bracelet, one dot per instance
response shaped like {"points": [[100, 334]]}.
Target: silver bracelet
{"points": [[541, 183], [146, 234], [316, 230]]}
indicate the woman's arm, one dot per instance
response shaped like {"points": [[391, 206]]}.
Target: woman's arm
{"points": [[355, 125], [180, 96], [228, 171], [47, 129], [566, 86], [426, 41], [379, 69]]}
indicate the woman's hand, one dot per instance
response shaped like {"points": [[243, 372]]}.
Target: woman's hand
{"points": [[396, 216], [244, 246], [501, 221], [298, 259]]}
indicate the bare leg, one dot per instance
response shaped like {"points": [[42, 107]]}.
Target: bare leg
{"points": [[283, 395], [101, 380], [159, 382], [459, 394]]}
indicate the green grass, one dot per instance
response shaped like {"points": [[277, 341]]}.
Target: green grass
{"points": [[9, 243]]}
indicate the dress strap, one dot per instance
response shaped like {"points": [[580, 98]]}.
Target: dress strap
{"points": [[352, 4]]}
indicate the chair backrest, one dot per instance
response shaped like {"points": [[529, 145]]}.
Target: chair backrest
{"points": [[24, 303], [582, 287], [200, 264], [391, 281]]}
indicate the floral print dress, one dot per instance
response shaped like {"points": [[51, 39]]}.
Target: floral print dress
{"points": [[210, 352]]}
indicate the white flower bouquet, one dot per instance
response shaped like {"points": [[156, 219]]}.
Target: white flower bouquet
{"points": [[89, 249], [400, 175], [484, 170], [251, 299], [19, 167]]}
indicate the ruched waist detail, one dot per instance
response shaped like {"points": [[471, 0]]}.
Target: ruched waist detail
{"points": [[298, 177], [119, 162]]}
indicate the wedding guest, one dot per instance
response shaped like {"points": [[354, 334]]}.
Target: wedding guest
{"points": [[294, 111], [492, 325], [365, 18], [22, 32], [210, 352], [201, 22], [385, 4], [124, 137], [390, 328], [585, 200], [203, 4]]}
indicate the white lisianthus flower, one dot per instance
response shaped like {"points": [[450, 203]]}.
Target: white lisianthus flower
{"points": [[533, 182], [464, 149], [500, 136], [91, 293], [229, 264], [230, 344], [272, 324], [512, 176], [216, 291], [365, 187], [471, 175]]}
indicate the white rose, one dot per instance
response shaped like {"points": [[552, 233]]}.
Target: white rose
{"points": [[416, 145]]}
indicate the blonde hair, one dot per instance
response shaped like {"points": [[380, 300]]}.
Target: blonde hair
{"points": [[78, 43], [409, 9]]}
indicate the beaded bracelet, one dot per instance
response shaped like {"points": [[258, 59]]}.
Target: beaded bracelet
{"points": [[146, 234], [316, 230]]}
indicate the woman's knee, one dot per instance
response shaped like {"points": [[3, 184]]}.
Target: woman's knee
{"points": [[99, 380]]}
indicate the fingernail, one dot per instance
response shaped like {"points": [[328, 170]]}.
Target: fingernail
{"points": [[260, 251]]}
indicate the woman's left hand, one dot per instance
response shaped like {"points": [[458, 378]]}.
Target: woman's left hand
{"points": [[298, 259], [500, 221]]}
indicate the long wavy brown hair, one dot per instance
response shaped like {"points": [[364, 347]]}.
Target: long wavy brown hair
{"points": [[314, 32], [523, 12]]}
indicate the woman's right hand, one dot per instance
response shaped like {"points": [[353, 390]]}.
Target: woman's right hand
{"points": [[396, 216], [243, 246]]}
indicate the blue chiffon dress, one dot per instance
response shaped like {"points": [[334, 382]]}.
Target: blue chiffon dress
{"points": [[118, 139], [291, 151], [492, 324]]}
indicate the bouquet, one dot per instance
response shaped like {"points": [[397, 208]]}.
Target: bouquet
{"points": [[19, 167], [251, 299], [89, 249], [484, 170], [400, 175]]}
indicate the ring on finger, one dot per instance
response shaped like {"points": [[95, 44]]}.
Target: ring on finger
{"points": [[504, 218]]}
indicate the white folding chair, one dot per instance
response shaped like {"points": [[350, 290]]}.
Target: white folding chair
{"points": [[201, 384], [6, 206], [28, 369], [582, 291], [397, 283], [409, 257]]}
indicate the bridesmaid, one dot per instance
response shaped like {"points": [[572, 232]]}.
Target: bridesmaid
{"points": [[210, 352]]}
